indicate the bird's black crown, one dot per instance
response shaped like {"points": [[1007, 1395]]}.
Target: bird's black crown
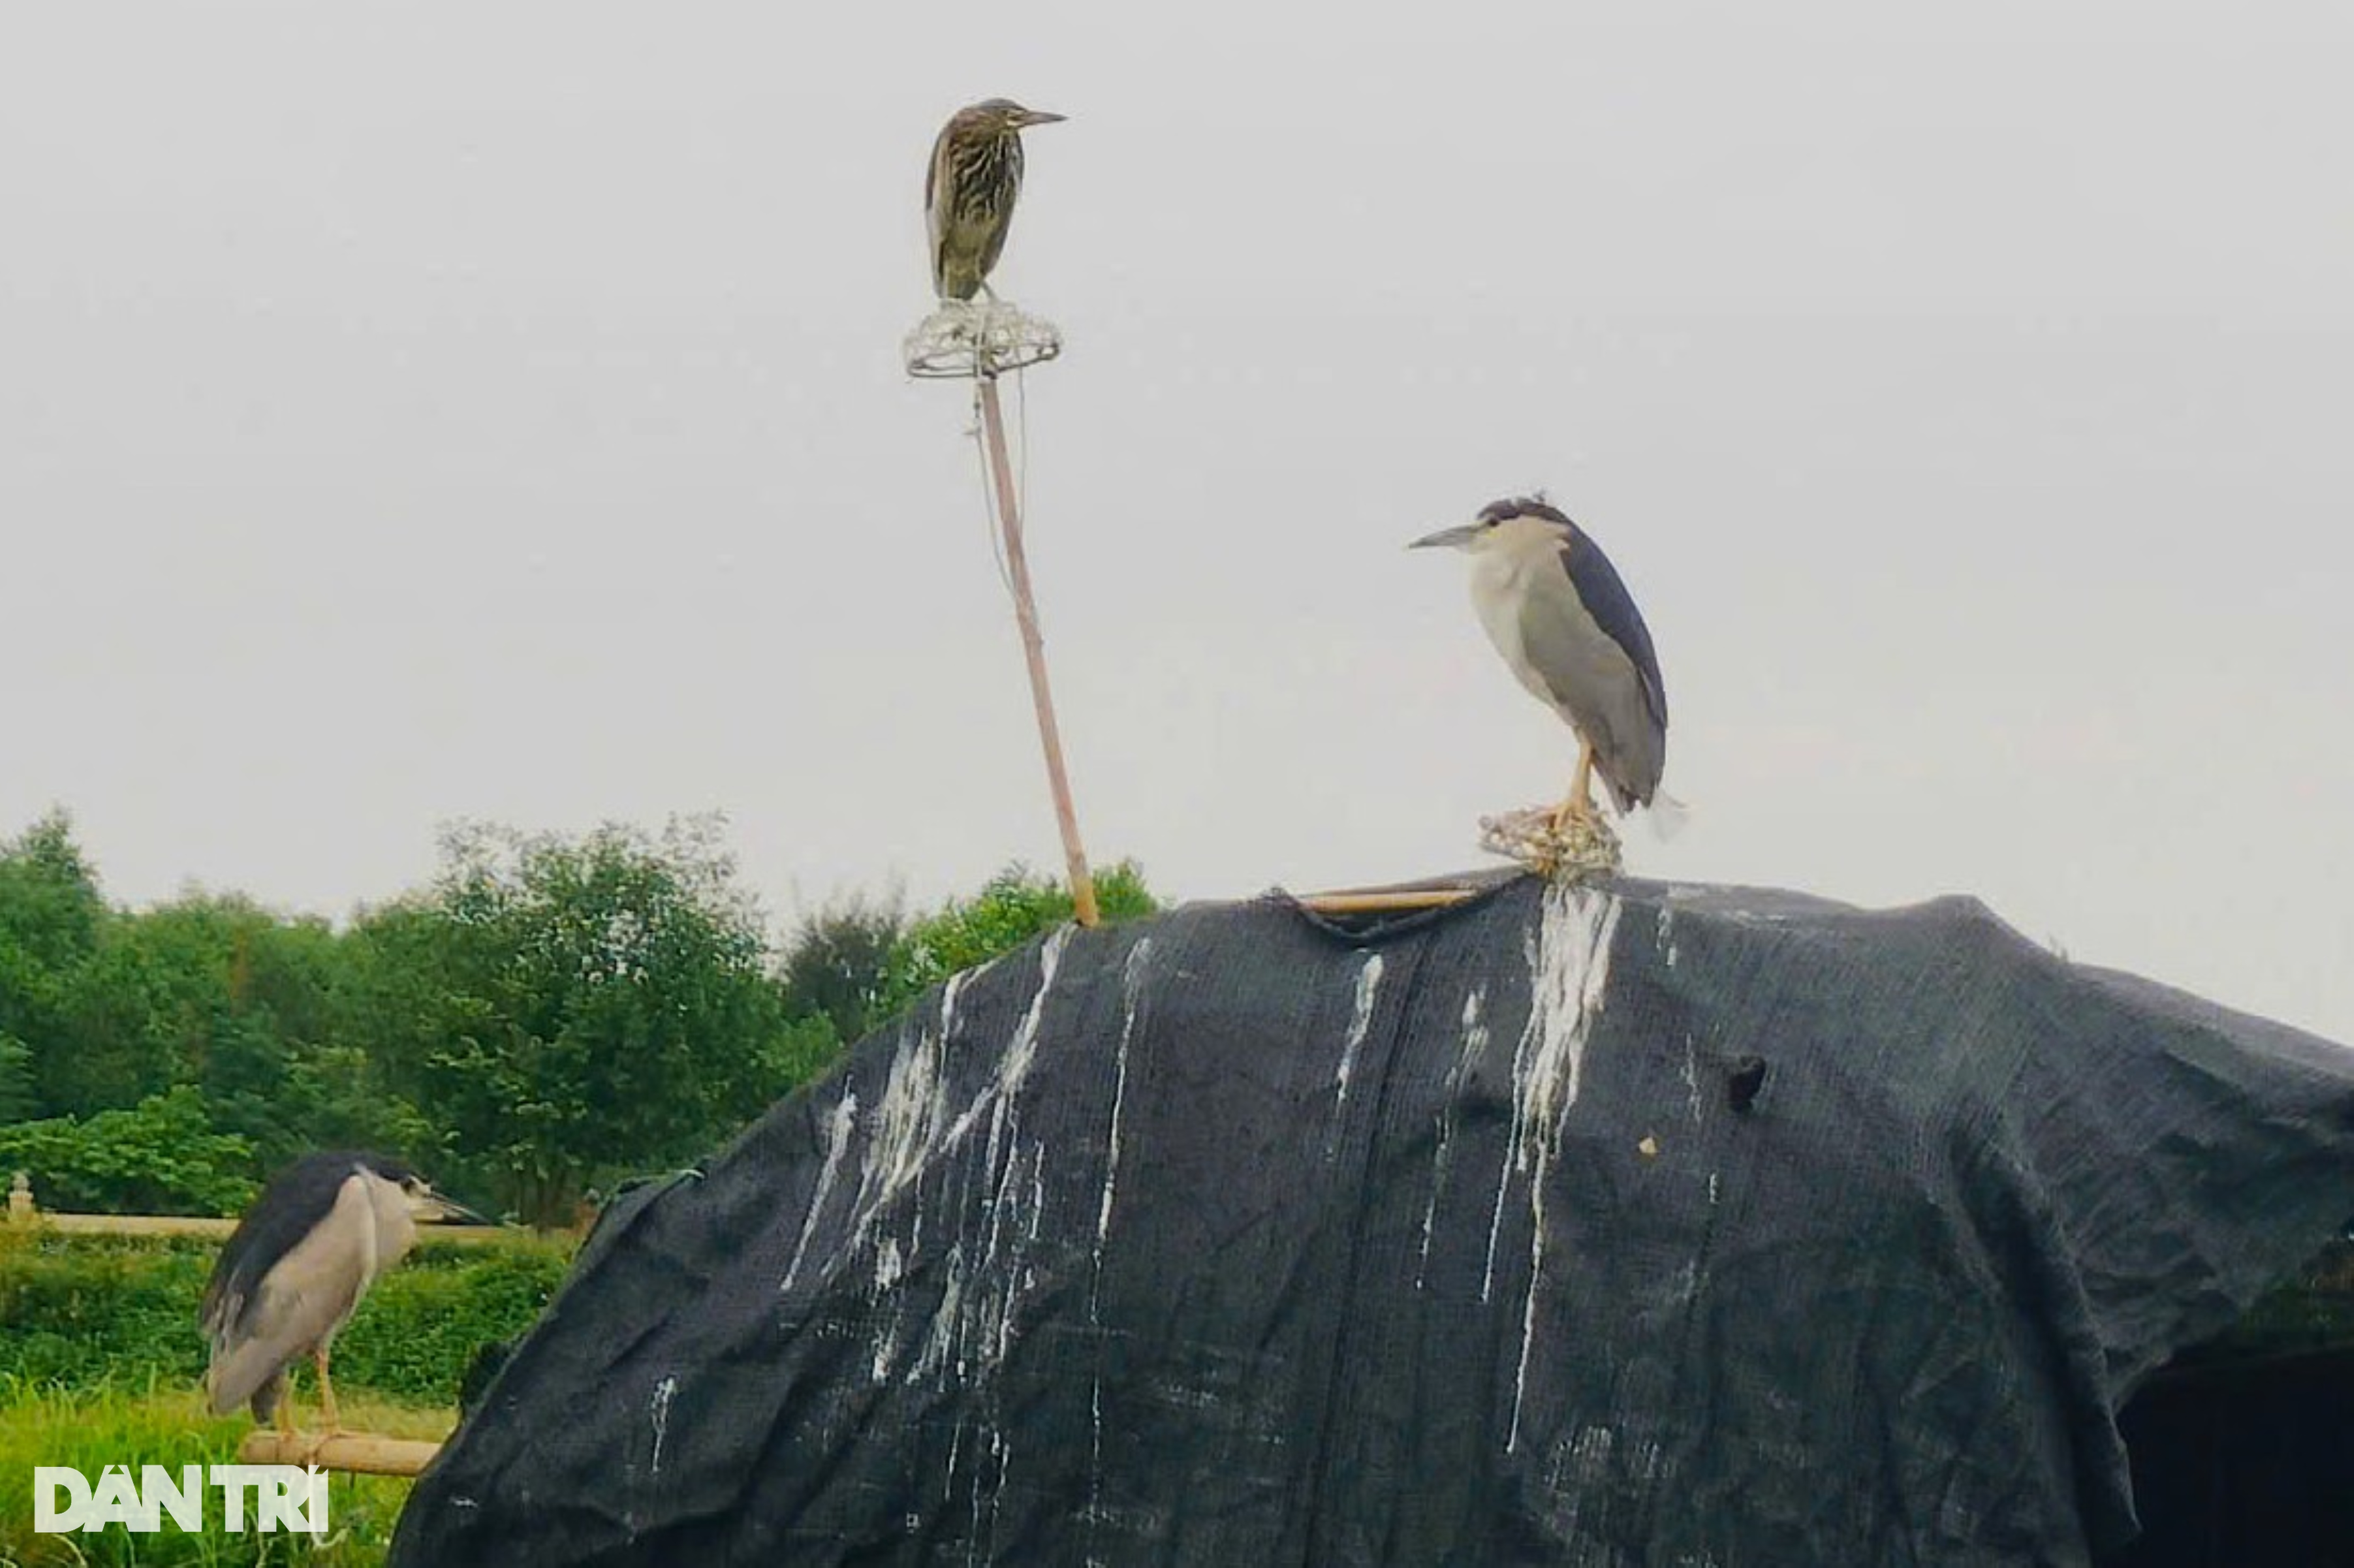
{"points": [[1524, 506]]}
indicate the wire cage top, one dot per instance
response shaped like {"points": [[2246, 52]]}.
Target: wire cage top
{"points": [[967, 338]]}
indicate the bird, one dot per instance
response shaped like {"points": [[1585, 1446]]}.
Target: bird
{"points": [[290, 1277], [969, 190], [1558, 612]]}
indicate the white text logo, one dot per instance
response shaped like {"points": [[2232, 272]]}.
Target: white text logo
{"points": [[253, 1496]]}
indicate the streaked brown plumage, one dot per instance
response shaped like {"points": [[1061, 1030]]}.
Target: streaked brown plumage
{"points": [[969, 191]]}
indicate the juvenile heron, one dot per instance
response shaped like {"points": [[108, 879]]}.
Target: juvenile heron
{"points": [[290, 1277], [969, 191], [1556, 608]]}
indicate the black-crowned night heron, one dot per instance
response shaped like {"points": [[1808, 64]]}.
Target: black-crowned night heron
{"points": [[322, 1230], [969, 191], [1556, 608]]}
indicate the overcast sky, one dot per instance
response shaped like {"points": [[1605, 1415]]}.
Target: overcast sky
{"points": [[424, 411]]}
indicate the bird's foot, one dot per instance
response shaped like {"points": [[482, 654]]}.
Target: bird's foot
{"points": [[1560, 841]]}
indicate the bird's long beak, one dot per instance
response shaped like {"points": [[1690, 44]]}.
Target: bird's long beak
{"points": [[1447, 539], [1041, 117], [432, 1207]]}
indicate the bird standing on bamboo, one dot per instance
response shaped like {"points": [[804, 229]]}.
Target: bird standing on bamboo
{"points": [[969, 191]]}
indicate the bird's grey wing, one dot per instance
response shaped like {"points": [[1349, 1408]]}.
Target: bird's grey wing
{"points": [[303, 1297], [1613, 609]]}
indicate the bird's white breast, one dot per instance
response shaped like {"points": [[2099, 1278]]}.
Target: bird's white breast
{"points": [[1498, 584], [1530, 612]]}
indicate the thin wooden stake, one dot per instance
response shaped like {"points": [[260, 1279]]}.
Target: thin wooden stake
{"points": [[1033, 650]]}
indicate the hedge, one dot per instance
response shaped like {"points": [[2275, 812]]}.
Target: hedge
{"points": [[81, 1311]]}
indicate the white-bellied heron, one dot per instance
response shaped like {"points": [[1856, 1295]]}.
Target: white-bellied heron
{"points": [[290, 1277], [1557, 609]]}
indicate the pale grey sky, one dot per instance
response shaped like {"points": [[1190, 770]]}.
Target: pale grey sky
{"points": [[418, 411]]}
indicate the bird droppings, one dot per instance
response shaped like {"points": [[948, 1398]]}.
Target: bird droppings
{"points": [[1649, 1148], [1361, 1018], [1474, 1046], [658, 1412], [1131, 1000], [1569, 970], [1744, 1082], [839, 1123]]}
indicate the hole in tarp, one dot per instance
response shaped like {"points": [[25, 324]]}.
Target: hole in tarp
{"points": [[2243, 1467], [1742, 1080], [2243, 1448]]}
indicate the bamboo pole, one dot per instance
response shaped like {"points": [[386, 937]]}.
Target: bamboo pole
{"points": [[195, 1226], [1403, 900], [360, 1453], [1033, 650]]}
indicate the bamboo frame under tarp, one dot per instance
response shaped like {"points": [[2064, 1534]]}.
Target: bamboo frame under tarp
{"points": [[355, 1453]]}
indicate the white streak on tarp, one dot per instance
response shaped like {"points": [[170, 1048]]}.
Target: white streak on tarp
{"points": [[905, 1123], [1024, 1048], [1569, 971], [1020, 1052], [1361, 1018], [1132, 995], [659, 1412], [939, 1338], [1131, 1000], [838, 1126], [1474, 1046]]}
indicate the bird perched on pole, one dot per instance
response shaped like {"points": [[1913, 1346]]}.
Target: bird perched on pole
{"points": [[969, 191], [291, 1274], [1556, 608]]}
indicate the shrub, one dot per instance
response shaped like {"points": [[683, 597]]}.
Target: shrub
{"points": [[161, 1157], [86, 1310]]}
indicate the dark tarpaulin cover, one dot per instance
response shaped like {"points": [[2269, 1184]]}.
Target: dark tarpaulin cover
{"points": [[1229, 1238]]}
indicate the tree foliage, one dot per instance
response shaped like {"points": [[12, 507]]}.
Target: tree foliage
{"points": [[1013, 906], [161, 1156], [595, 1005], [546, 1016]]}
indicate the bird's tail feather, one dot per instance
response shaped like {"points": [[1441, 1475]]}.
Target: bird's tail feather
{"points": [[1668, 816]]}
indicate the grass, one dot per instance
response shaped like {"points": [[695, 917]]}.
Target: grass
{"points": [[161, 1423], [100, 1360]]}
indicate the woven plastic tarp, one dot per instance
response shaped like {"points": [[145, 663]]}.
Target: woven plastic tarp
{"points": [[1664, 1226]]}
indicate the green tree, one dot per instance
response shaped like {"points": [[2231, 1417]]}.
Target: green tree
{"points": [[159, 1157], [572, 1010], [838, 963], [1013, 906], [51, 918]]}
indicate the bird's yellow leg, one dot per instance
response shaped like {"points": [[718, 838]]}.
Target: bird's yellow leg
{"points": [[329, 1423], [284, 1415], [1578, 804]]}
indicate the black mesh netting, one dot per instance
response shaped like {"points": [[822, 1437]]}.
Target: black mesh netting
{"points": [[1662, 1226]]}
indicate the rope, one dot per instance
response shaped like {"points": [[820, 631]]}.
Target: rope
{"points": [[1582, 847], [994, 524]]}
